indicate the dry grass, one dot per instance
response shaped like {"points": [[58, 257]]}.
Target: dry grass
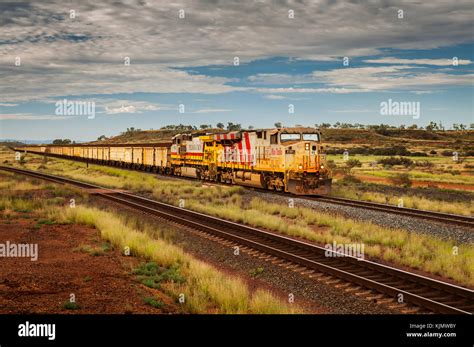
{"points": [[397, 246], [425, 176], [136, 181], [440, 171], [462, 208], [205, 290], [17, 197], [14, 195]]}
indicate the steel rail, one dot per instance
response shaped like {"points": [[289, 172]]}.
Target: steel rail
{"points": [[431, 294]]}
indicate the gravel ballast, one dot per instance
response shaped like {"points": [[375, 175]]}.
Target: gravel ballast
{"points": [[312, 295], [446, 232]]}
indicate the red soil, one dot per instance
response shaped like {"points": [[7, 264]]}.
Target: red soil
{"points": [[101, 284]]}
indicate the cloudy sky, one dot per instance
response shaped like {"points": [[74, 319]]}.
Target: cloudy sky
{"points": [[248, 62]]}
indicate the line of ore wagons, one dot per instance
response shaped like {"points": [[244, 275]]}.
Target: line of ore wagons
{"points": [[153, 154]]}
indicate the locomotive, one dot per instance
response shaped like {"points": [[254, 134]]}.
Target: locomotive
{"points": [[286, 159]]}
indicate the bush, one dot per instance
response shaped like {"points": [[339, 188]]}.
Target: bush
{"points": [[425, 164], [418, 154], [353, 163], [391, 161], [331, 164], [68, 305], [402, 180], [153, 302], [394, 150], [349, 179]]}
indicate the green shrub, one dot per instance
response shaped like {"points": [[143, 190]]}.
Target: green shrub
{"points": [[402, 180], [153, 302], [353, 163], [391, 161], [68, 305]]}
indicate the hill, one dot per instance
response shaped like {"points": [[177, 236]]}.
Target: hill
{"points": [[148, 136], [412, 138]]}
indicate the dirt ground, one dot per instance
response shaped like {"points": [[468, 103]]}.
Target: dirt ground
{"points": [[101, 283]]}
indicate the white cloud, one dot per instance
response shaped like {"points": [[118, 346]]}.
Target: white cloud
{"points": [[416, 79], [434, 62], [85, 56], [422, 92], [95, 78], [275, 97], [281, 97], [131, 106], [311, 90], [212, 110], [352, 111], [31, 116], [121, 109], [386, 78], [274, 78]]}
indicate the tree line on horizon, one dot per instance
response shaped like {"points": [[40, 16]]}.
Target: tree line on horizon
{"points": [[432, 126], [381, 128]]}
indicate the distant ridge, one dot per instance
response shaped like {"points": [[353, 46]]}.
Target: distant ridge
{"points": [[31, 142]]}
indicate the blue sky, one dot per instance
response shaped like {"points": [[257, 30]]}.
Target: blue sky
{"points": [[190, 61]]}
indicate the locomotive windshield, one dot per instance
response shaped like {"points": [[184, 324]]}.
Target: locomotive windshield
{"points": [[290, 137], [311, 137]]}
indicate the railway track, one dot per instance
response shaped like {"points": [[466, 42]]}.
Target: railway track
{"points": [[464, 221], [445, 218], [412, 289]]}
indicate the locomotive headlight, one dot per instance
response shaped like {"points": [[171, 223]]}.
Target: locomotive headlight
{"points": [[300, 167], [306, 146], [322, 166]]}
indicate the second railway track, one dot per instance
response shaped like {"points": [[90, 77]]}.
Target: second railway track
{"points": [[424, 292], [464, 221]]}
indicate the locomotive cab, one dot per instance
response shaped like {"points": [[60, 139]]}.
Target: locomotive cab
{"points": [[306, 172]]}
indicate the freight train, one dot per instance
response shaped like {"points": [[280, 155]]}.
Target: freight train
{"points": [[287, 159]]}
